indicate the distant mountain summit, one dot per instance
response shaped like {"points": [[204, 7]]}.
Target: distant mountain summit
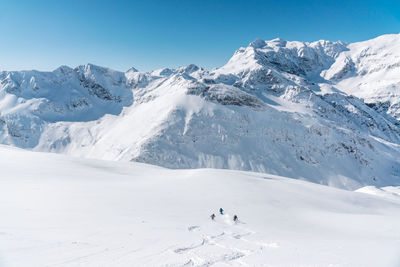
{"points": [[327, 112]]}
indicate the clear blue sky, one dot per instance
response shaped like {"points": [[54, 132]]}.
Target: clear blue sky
{"points": [[153, 34]]}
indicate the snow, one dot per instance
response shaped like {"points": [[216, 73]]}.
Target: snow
{"points": [[322, 112], [388, 192], [64, 211], [370, 70], [289, 108]]}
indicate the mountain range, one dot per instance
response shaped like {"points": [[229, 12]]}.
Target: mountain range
{"points": [[326, 112]]}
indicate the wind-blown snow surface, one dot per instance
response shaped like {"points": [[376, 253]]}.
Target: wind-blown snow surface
{"points": [[62, 211], [287, 108]]}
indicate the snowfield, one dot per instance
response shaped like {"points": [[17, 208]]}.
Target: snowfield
{"points": [[58, 210]]}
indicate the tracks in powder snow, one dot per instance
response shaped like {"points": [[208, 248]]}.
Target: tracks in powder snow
{"points": [[222, 241]]}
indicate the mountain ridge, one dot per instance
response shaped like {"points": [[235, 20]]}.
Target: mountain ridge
{"points": [[284, 107]]}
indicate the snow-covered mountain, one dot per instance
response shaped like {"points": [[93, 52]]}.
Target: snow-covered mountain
{"points": [[370, 70], [289, 108]]}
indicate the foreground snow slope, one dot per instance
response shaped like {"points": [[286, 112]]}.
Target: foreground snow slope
{"points": [[63, 211]]}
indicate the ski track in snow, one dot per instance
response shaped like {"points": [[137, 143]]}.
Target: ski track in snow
{"points": [[228, 231]]}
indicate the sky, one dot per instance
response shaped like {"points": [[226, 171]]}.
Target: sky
{"points": [[148, 35]]}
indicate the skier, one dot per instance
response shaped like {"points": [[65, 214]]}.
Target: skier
{"points": [[221, 211], [212, 216], [235, 218]]}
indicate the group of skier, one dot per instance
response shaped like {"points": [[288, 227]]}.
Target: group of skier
{"points": [[221, 211]]}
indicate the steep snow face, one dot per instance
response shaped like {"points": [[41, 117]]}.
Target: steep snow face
{"points": [[276, 107], [370, 70]]}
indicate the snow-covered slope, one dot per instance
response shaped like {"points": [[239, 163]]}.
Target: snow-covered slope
{"points": [[277, 106], [370, 70], [64, 211], [29, 100]]}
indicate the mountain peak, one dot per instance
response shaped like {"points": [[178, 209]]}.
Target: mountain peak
{"points": [[257, 43], [132, 69], [278, 42], [260, 43], [189, 69], [63, 69]]}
